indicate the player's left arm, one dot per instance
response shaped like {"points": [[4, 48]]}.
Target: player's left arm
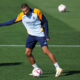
{"points": [[44, 23]]}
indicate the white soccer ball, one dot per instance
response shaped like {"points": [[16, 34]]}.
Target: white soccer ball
{"points": [[37, 72], [62, 8]]}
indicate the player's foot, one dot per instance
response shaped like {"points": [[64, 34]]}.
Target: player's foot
{"points": [[58, 72]]}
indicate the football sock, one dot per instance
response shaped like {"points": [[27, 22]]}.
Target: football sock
{"points": [[56, 65], [35, 65]]}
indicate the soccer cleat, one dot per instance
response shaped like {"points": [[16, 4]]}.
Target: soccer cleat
{"points": [[58, 72]]}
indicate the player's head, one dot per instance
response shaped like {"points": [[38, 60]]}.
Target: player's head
{"points": [[25, 8]]}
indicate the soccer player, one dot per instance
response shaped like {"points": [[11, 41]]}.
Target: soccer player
{"points": [[37, 27]]}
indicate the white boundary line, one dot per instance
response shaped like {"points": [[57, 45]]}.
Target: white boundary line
{"points": [[39, 45]]}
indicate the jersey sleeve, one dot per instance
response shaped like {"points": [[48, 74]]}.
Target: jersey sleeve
{"points": [[38, 12], [8, 23], [19, 17], [13, 21], [44, 23]]}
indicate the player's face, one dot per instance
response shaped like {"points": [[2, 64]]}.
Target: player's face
{"points": [[26, 10]]}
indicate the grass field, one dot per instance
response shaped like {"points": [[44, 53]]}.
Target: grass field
{"points": [[64, 29]]}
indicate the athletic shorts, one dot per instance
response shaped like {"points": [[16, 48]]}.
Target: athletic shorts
{"points": [[32, 40]]}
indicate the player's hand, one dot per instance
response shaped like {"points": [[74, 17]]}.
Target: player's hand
{"points": [[48, 39]]}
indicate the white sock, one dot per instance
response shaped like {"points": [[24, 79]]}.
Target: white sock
{"points": [[35, 66], [56, 65]]}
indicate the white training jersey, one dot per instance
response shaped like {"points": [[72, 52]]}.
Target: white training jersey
{"points": [[33, 25], [32, 22]]}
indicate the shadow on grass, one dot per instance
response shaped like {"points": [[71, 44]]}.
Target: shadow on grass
{"points": [[67, 73], [10, 64], [47, 74]]}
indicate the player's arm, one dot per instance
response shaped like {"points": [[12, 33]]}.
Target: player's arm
{"points": [[44, 22], [16, 20], [9, 22]]}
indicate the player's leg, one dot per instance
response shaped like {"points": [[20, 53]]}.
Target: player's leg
{"points": [[45, 49], [49, 54], [30, 44], [52, 58], [29, 55]]}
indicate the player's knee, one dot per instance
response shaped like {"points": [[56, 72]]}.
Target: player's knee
{"points": [[28, 53], [45, 52]]}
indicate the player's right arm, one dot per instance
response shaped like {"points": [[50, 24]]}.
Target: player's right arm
{"points": [[16, 20], [8, 22]]}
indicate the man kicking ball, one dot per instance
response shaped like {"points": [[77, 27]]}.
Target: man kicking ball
{"points": [[37, 28]]}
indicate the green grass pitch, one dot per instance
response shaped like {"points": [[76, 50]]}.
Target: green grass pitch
{"points": [[64, 29]]}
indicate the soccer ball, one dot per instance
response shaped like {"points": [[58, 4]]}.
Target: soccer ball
{"points": [[62, 8], [37, 72]]}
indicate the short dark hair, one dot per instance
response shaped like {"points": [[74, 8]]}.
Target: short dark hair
{"points": [[24, 5]]}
